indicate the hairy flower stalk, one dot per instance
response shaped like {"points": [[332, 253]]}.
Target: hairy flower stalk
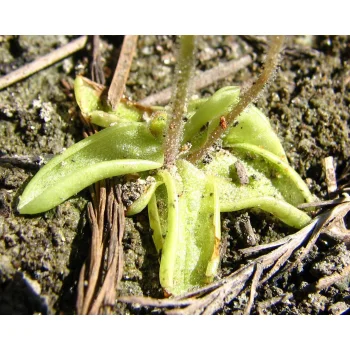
{"points": [[184, 71], [248, 97]]}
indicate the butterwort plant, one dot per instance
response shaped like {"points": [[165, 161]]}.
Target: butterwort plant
{"points": [[196, 159]]}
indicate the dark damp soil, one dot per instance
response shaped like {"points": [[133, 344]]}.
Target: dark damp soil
{"points": [[41, 255]]}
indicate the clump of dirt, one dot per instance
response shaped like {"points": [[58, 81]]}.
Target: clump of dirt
{"points": [[41, 256]]}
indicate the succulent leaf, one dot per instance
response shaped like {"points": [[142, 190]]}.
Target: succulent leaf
{"points": [[90, 97], [187, 216], [118, 150]]}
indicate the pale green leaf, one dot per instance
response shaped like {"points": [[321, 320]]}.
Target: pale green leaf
{"points": [[118, 150]]}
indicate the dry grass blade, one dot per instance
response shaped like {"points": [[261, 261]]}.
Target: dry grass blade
{"points": [[232, 287], [279, 263], [121, 227], [327, 281], [259, 248], [115, 222], [263, 305], [324, 203], [81, 291], [95, 261], [96, 65], [106, 245], [121, 73], [42, 62], [258, 271], [338, 229], [106, 214], [153, 302], [326, 221], [197, 306], [330, 176], [201, 81]]}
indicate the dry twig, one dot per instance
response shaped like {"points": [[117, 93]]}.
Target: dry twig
{"points": [[330, 176], [326, 282], [121, 73], [263, 305], [43, 62], [203, 80], [96, 64], [255, 281], [324, 203]]}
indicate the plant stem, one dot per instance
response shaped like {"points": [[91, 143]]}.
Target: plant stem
{"points": [[180, 96], [245, 99]]}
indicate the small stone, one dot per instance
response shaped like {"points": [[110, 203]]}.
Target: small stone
{"points": [[338, 308]]}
